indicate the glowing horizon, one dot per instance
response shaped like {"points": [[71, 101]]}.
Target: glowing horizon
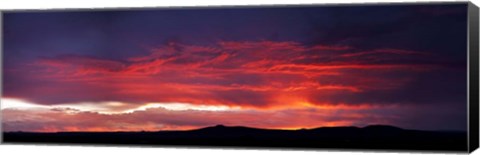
{"points": [[9, 105]]}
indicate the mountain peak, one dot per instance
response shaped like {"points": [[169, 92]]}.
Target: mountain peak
{"points": [[219, 126], [382, 127]]}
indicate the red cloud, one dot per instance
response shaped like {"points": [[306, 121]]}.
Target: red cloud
{"points": [[293, 85], [250, 74]]}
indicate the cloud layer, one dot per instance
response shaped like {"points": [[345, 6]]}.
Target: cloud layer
{"points": [[252, 74], [266, 77]]}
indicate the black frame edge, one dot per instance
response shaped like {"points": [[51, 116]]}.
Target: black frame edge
{"points": [[1, 73], [473, 56]]}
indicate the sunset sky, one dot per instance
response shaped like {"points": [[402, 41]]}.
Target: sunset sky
{"points": [[277, 67]]}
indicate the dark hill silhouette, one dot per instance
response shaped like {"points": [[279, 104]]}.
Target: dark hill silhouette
{"points": [[369, 137], [383, 128], [222, 128]]}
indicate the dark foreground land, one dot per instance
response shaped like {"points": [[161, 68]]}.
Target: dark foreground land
{"points": [[370, 137]]}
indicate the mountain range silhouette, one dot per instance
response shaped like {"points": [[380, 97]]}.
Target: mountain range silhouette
{"points": [[343, 137]]}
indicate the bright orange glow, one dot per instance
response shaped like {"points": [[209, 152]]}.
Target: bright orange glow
{"points": [[300, 115]]}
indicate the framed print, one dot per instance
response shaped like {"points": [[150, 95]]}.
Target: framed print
{"points": [[401, 76]]}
